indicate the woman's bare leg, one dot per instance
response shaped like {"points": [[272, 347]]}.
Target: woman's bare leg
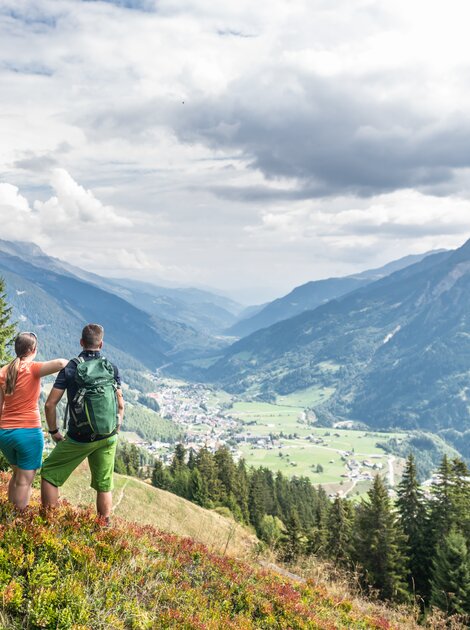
{"points": [[19, 488], [11, 485]]}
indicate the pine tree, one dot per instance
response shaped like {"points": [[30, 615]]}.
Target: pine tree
{"points": [[160, 476], [340, 525], [180, 483], [379, 544], [442, 513], [256, 499], [226, 474], [451, 500], [241, 490], [7, 329], [191, 459], [317, 534], [413, 518], [461, 496], [450, 580], [197, 488], [133, 463], [206, 465], [293, 541], [283, 497], [179, 458]]}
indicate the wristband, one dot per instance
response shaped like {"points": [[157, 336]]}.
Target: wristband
{"points": [[53, 432]]}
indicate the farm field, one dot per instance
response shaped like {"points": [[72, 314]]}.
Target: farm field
{"points": [[306, 397], [299, 448]]}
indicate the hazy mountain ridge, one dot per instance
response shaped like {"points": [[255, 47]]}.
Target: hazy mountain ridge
{"points": [[312, 294], [56, 303], [410, 329], [207, 312]]}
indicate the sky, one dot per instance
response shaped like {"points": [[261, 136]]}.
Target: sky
{"points": [[247, 147]]}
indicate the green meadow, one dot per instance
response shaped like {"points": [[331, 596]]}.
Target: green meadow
{"points": [[296, 453]]}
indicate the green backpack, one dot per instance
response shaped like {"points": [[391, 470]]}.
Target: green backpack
{"points": [[94, 406]]}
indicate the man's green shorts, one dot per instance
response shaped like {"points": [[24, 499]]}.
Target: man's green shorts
{"points": [[67, 455]]}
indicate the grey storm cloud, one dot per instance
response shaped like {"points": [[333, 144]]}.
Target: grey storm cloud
{"points": [[334, 139], [330, 138], [36, 163]]}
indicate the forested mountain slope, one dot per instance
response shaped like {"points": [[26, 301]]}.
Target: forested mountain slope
{"points": [[312, 294], [397, 351], [56, 304], [205, 311]]}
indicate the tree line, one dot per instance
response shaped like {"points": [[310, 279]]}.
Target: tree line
{"points": [[412, 547]]}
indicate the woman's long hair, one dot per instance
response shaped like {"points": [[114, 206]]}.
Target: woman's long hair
{"points": [[25, 344]]}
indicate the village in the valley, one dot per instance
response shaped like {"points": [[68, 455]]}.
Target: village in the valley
{"points": [[208, 420]]}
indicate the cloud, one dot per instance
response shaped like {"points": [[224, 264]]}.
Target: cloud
{"points": [[36, 163], [136, 5], [235, 142], [17, 219], [73, 206], [357, 226], [70, 210], [330, 137]]}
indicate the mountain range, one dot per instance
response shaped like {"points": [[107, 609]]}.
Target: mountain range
{"points": [[55, 299], [393, 352], [396, 352], [308, 296]]}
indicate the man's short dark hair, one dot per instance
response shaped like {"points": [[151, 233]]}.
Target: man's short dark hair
{"points": [[92, 335]]}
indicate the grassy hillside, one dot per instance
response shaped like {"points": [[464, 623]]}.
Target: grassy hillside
{"points": [[138, 501], [62, 570]]}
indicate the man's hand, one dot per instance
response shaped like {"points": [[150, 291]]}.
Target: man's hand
{"points": [[58, 437]]}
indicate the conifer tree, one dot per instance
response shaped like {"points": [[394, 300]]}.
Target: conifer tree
{"points": [[283, 496], [181, 481], [206, 465], [256, 499], [179, 459], [160, 476], [134, 462], [451, 500], [413, 518], [191, 459], [197, 488], [379, 544], [226, 473], [317, 534], [450, 580], [7, 329], [293, 540], [241, 490], [442, 513], [461, 496], [339, 538]]}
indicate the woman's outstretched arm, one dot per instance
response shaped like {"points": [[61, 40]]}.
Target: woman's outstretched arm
{"points": [[50, 367]]}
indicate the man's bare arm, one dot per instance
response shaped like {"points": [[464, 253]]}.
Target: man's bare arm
{"points": [[120, 402], [51, 412], [1, 402]]}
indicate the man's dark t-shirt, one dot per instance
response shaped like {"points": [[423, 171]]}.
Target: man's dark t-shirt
{"points": [[66, 380]]}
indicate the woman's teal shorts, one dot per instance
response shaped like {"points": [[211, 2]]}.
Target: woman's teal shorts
{"points": [[22, 447]]}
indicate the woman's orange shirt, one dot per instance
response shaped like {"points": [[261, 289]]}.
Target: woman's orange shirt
{"points": [[21, 409]]}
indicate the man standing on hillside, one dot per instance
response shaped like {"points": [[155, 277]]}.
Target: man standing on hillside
{"points": [[95, 410]]}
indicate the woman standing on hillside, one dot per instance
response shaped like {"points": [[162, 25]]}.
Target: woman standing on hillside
{"points": [[21, 437]]}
